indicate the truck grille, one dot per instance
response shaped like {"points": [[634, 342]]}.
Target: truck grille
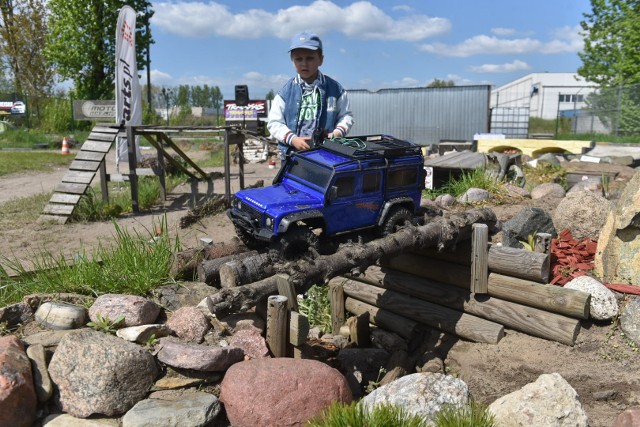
{"points": [[255, 215]]}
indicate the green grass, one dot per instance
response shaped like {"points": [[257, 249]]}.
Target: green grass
{"points": [[135, 263], [355, 415], [18, 212], [476, 178], [473, 415], [24, 161], [543, 173], [25, 138], [92, 208]]}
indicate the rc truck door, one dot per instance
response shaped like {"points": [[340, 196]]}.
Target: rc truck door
{"points": [[357, 203]]}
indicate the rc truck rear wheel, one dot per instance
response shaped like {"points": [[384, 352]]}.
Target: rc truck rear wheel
{"points": [[397, 218], [296, 242]]}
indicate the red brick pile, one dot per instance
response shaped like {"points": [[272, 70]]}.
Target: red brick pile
{"points": [[571, 258]]}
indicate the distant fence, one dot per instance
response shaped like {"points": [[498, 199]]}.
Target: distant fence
{"points": [[612, 111]]}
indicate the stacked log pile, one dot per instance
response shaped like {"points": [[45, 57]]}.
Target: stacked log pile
{"points": [[433, 288]]}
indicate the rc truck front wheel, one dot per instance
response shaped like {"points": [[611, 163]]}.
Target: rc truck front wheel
{"points": [[397, 218], [296, 242], [248, 240]]}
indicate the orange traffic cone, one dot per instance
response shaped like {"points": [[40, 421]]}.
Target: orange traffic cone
{"points": [[65, 147]]}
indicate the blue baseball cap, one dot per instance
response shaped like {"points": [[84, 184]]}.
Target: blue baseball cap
{"points": [[306, 40]]}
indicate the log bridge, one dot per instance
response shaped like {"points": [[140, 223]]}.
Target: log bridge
{"points": [[444, 275]]}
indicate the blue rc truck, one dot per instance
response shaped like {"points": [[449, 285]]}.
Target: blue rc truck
{"points": [[340, 186]]}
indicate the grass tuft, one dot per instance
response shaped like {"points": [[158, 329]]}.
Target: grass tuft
{"points": [[355, 415], [135, 264]]}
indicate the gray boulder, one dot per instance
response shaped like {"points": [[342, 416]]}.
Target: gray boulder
{"points": [[528, 221], [549, 401], [186, 410], [603, 304], [135, 309], [630, 319], [618, 255], [98, 373], [422, 394], [548, 189], [583, 213]]}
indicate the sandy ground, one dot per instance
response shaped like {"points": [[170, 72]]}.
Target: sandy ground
{"points": [[601, 363]]}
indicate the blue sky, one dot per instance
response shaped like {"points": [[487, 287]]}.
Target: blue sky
{"points": [[367, 44]]}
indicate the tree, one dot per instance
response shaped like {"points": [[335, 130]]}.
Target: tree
{"points": [[82, 42], [270, 95], [611, 54], [216, 100], [23, 33], [441, 83]]}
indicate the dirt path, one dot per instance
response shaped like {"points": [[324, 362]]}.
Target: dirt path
{"points": [[23, 242]]}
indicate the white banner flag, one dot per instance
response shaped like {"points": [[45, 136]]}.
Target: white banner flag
{"points": [[128, 93]]}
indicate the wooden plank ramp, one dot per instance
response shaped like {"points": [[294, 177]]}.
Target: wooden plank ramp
{"points": [[81, 172]]}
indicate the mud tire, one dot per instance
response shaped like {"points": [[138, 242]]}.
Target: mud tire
{"points": [[396, 219], [248, 240], [296, 242]]}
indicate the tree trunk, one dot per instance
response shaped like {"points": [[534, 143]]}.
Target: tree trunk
{"points": [[185, 263], [209, 270], [441, 233], [246, 270]]}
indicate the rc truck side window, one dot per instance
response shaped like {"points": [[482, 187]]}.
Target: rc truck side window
{"points": [[370, 182], [402, 177], [345, 186]]}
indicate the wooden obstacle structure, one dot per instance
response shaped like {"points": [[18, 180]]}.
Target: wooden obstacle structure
{"points": [[90, 161]]}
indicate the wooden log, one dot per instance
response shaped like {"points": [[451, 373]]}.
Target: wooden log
{"points": [[543, 243], [359, 332], [454, 322], [336, 299], [568, 302], [441, 233], [209, 270], [298, 329], [184, 264], [529, 320], [479, 258], [277, 325], [247, 270], [385, 319], [513, 262], [287, 289]]}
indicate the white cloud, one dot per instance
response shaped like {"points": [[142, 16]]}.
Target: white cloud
{"points": [[158, 78], [566, 39], [402, 8], [516, 65], [360, 19], [503, 31]]}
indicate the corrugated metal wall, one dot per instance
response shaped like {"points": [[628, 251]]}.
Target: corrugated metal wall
{"points": [[422, 115]]}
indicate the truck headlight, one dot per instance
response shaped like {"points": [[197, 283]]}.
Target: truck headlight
{"points": [[268, 222]]}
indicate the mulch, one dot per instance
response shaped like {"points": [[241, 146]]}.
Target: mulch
{"points": [[571, 258]]}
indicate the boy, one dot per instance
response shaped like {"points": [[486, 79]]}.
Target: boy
{"points": [[308, 101]]}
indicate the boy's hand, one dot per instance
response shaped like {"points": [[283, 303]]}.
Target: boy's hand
{"points": [[300, 142]]}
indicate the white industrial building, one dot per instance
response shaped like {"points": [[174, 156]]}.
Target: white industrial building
{"points": [[543, 94]]}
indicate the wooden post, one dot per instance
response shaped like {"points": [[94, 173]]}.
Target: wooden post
{"points": [[336, 298], [298, 329], [193, 200], [227, 169], [359, 329], [479, 258], [287, 289], [543, 243], [277, 325], [104, 185], [241, 160], [133, 162], [161, 176]]}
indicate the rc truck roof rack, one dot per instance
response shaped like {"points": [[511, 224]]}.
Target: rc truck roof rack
{"points": [[371, 145]]}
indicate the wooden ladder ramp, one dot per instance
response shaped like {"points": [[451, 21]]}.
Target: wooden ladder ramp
{"points": [[81, 172]]}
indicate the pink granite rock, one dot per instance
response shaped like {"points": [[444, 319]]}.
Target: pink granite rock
{"points": [[18, 401]]}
